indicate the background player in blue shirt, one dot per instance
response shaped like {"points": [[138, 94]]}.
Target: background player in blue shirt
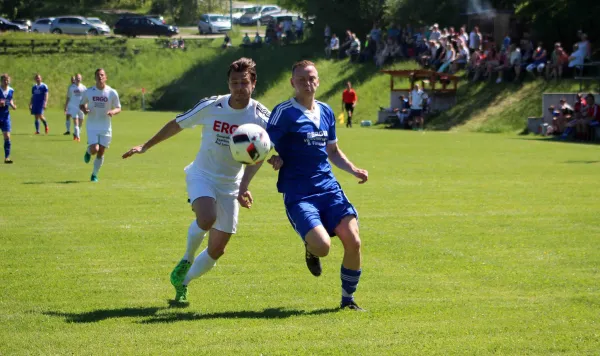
{"points": [[37, 105], [303, 132], [6, 102]]}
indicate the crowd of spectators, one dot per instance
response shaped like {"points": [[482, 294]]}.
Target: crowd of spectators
{"points": [[578, 121], [449, 50]]}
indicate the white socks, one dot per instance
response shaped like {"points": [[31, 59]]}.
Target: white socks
{"points": [[68, 124], [201, 265], [97, 164], [194, 239], [76, 131]]}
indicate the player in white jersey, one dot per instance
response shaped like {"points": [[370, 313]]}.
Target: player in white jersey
{"points": [[72, 110], [216, 184], [101, 103]]}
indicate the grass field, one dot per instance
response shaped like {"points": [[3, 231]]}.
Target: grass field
{"points": [[472, 244]]}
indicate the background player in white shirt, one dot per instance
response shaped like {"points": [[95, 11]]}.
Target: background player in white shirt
{"points": [[417, 98], [101, 102], [215, 182], [72, 110]]}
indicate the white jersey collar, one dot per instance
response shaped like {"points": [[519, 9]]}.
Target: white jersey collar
{"points": [[313, 115]]}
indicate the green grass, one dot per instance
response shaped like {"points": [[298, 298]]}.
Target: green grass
{"points": [[472, 244]]}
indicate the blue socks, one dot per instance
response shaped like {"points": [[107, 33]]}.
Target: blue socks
{"points": [[349, 282], [6, 148], [37, 125]]}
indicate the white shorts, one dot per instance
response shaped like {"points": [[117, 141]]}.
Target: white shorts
{"points": [[75, 112], [97, 137], [224, 194]]}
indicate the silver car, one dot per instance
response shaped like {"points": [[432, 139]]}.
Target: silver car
{"points": [[98, 23], [42, 25], [214, 23], [75, 25]]}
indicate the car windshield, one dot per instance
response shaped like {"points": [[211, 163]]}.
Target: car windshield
{"points": [[156, 22], [218, 18], [4, 20], [253, 10]]}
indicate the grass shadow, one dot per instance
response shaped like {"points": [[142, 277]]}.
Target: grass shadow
{"points": [[555, 139], [103, 314], [209, 77], [269, 313], [150, 313], [57, 182]]}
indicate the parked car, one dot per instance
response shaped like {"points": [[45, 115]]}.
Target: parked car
{"points": [[279, 17], [98, 23], [42, 25], [214, 23], [238, 11], [143, 26], [6, 25], [75, 25], [253, 15], [24, 22], [159, 18]]}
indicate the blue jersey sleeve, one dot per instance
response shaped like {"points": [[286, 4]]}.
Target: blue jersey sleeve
{"points": [[276, 126], [330, 117]]}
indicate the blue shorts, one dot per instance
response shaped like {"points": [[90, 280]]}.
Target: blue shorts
{"points": [[37, 110], [326, 209], [594, 123], [5, 125]]}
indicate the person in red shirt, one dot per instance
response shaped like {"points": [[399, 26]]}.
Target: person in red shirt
{"points": [[349, 99]]}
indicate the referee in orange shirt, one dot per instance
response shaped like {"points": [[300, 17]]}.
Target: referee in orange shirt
{"points": [[349, 100]]}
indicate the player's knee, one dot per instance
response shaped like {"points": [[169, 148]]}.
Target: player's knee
{"points": [[216, 251], [353, 244], [321, 248], [206, 222]]}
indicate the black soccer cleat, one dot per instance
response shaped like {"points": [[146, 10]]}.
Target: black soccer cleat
{"points": [[313, 263], [351, 305], [67, 133]]}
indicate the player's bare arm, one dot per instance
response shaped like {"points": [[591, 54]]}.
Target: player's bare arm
{"points": [[114, 112], [244, 195], [12, 105], [46, 100], [171, 129], [337, 157], [84, 108]]}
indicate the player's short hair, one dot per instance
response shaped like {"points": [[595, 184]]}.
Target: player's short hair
{"points": [[4, 76], [302, 64], [243, 65], [98, 71], [37, 75]]}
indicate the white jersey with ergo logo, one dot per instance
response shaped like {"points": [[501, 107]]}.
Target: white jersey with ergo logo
{"points": [[219, 121], [100, 102]]}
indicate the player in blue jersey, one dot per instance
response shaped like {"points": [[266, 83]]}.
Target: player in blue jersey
{"points": [[6, 102], [303, 132], [37, 105]]}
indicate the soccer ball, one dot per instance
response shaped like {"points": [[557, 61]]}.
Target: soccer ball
{"points": [[249, 144]]}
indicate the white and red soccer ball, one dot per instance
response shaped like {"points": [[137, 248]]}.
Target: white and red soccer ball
{"points": [[249, 144]]}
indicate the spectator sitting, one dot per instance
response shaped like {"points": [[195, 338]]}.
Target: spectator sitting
{"points": [[333, 45], [354, 49], [435, 35], [462, 57], [246, 42], [585, 45], [577, 57], [438, 59], [181, 43], [346, 43], [506, 42], [258, 40], [561, 116], [449, 58], [558, 59], [226, 41], [593, 115], [403, 112], [174, 43], [575, 124], [479, 64], [513, 62], [539, 59], [394, 33]]}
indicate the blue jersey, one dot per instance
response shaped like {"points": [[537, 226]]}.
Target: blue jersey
{"points": [[5, 99], [300, 137], [38, 95]]}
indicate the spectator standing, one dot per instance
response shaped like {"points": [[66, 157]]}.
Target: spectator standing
{"points": [[349, 100], [475, 39], [417, 99], [299, 24], [333, 45]]}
